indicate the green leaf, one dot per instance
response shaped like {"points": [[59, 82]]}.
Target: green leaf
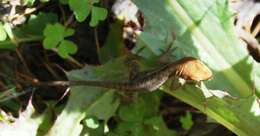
{"points": [[43, 1], [81, 8], [93, 127], [69, 32], [84, 100], [53, 35], [130, 128], [9, 31], [114, 45], [64, 1], [97, 14], [3, 35], [219, 47], [37, 23], [66, 48], [30, 32], [133, 112], [28, 2], [151, 104], [49, 43], [91, 123], [107, 100], [155, 126], [54, 38], [94, 1], [186, 121], [7, 45]]}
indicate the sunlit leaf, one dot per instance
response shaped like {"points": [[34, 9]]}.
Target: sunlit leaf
{"points": [[3, 35], [80, 8], [27, 124], [97, 14], [87, 101], [234, 71]]}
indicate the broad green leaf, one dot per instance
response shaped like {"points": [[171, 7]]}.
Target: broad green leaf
{"points": [[3, 35], [86, 101], [157, 127], [151, 104], [204, 30], [133, 112], [108, 101], [66, 48], [97, 14], [130, 128], [186, 121], [81, 9], [145, 106]]}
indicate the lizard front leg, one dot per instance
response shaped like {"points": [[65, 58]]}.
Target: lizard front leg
{"points": [[176, 83]]}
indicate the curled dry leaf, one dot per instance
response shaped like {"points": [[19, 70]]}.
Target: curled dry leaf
{"points": [[190, 68]]}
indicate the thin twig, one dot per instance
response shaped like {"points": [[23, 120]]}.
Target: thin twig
{"points": [[70, 59], [97, 40], [49, 68], [20, 56], [69, 21]]}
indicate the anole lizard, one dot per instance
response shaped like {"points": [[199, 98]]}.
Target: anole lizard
{"points": [[188, 68]]}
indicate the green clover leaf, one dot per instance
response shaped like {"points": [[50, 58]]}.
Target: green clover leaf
{"points": [[67, 47], [97, 14], [54, 38], [81, 9], [53, 35], [69, 32]]}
